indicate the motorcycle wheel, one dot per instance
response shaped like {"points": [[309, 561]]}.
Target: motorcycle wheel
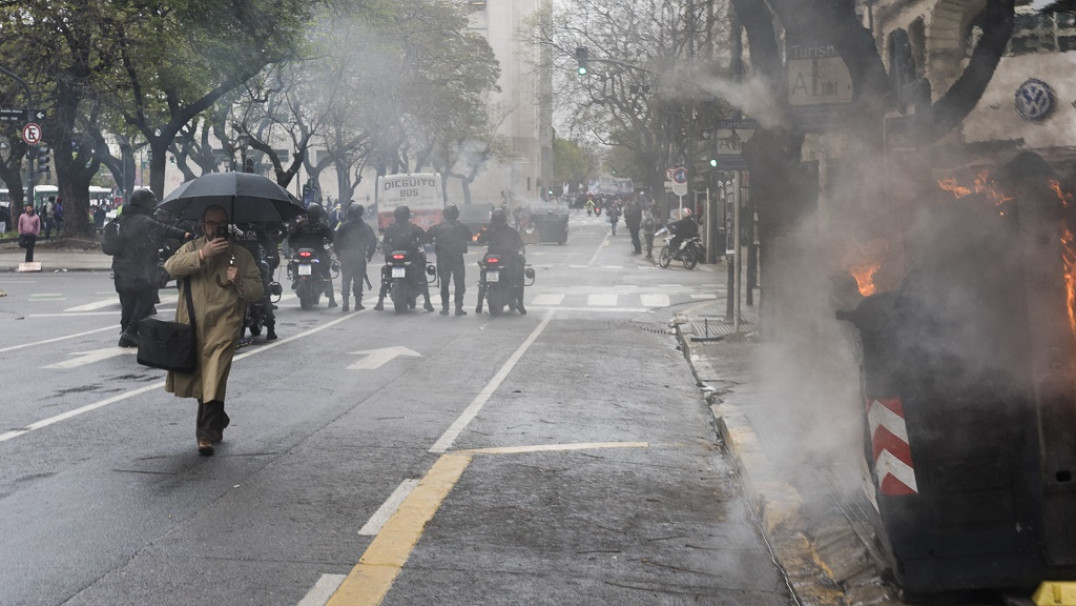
{"points": [[399, 297], [691, 258], [665, 257], [495, 302], [306, 297]]}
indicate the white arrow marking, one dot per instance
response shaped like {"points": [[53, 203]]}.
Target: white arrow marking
{"points": [[376, 358], [89, 357]]}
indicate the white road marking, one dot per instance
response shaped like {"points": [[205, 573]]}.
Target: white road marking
{"points": [[389, 507], [94, 355], [376, 358], [445, 441], [654, 300], [47, 341], [547, 300], [48, 297], [626, 310], [95, 305], [602, 300], [323, 590], [147, 388]]}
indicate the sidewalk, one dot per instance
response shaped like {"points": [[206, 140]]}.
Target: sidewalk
{"points": [[55, 257], [812, 510]]}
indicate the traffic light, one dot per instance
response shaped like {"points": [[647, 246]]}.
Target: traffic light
{"points": [[43, 160], [713, 162], [581, 57]]}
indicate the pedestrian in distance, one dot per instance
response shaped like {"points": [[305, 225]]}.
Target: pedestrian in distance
{"points": [[135, 262], [29, 230], [633, 218], [356, 244], [48, 216], [223, 278], [450, 238], [649, 226], [614, 216]]}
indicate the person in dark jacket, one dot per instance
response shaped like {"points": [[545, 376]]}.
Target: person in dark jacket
{"points": [[356, 244], [450, 238], [135, 267], [633, 219], [505, 241], [404, 235], [316, 234]]}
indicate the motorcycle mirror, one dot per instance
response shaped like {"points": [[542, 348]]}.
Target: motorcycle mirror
{"points": [[529, 272], [430, 269]]}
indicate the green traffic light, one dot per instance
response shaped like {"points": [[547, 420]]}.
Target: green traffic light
{"points": [[713, 162], [582, 71]]}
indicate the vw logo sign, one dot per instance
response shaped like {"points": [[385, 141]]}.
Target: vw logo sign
{"points": [[1034, 100]]}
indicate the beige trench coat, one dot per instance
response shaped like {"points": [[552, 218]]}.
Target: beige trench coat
{"points": [[218, 315]]}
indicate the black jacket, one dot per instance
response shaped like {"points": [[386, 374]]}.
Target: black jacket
{"points": [[135, 265], [403, 236], [450, 237], [355, 241]]}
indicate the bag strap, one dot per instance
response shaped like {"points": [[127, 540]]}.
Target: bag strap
{"points": [[190, 302]]}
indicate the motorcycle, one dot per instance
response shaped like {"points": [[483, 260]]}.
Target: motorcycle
{"points": [[309, 279], [689, 252], [496, 288], [403, 279]]}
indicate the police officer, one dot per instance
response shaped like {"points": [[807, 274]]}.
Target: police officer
{"points": [[263, 248], [505, 241], [450, 238], [314, 233], [134, 266], [356, 244], [404, 235]]}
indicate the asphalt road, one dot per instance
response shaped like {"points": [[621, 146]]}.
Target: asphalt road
{"points": [[562, 457]]}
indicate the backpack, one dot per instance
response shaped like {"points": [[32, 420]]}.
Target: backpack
{"points": [[110, 237]]}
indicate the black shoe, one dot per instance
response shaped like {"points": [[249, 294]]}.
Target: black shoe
{"points": [[359, 307], [444, 310], [344, 308], [205, 448], [379, 306], [460, 312], [270, 335], [127, 340], [428, 306], [332, 304]]}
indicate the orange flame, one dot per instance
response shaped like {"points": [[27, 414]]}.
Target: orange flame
{"points": [[950, 184], [864, 275]]}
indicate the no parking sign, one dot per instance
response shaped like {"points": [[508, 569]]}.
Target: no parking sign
{"points": [[31, 133]]}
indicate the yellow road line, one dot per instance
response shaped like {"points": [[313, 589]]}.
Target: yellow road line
{"points": [[553, 447], [372, 577], [370, 580]]}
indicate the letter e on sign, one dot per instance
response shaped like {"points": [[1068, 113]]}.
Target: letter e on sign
{"points": [[31, 134]]}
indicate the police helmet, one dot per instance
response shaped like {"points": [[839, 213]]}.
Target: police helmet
{"points": [[452, 212], [402, 213], [144, 199], [315, 212], [498, 217], [355, 211]]}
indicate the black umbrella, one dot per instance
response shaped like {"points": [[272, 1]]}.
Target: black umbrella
{"points": [[248, 198]]}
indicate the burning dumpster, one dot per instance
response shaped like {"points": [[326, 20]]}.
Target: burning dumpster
{"points": [[967, 374]]}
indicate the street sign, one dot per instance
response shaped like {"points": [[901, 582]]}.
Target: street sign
{"points": [[31, 134], [730, 138], [21, 115], [818, 82]]}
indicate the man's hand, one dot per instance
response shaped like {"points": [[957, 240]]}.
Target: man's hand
{"points": [[213, 248], [233, 273]]}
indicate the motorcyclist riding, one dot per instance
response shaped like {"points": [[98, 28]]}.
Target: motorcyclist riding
{"points": [[450, 238], [256, 239], [404, 235], [683, 229], [314, 233], [506, 242]]}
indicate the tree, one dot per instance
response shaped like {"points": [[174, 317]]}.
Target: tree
{"points": [[649, 61], [775, 150]]}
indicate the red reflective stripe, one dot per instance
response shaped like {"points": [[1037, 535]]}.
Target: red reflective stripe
{"points": [[894, 487], [893, 404], [883, 439]]}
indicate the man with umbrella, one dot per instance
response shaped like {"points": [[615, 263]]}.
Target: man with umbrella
{"points": [[222, 278]]}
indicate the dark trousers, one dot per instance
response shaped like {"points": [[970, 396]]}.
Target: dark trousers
{"points": [[649, 238], [211, 421], [136, 304], [352, 272], [451, 267], [635, 243], [30, 241]]}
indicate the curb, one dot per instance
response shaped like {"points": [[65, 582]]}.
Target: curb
{"points": [[822, 563]]}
